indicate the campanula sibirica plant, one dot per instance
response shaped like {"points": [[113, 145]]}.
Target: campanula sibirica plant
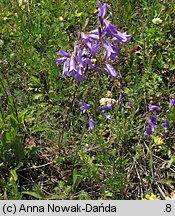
{"points": [[101, 43], [96, 50]]}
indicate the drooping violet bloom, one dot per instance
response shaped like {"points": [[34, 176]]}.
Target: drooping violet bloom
{"points": [[96, 34], [153, 107], [102, 12], [121, 37], [61, 60], [106, 107], [153, 119], [79, 76], [82, 56], [106, 116], [111, 51], [66, 68], [85, 37], [152, 125], [72, 69], [172, 102], [84, 106], [64, 58], [110, 29], [63, 53], [83, 59], [88, 41], [111, 71], [90, 36], [91, 123], [121, 97], [94, 48], [149, 131], [76, 48], [152, 122], [130, 105], [166, 124]]}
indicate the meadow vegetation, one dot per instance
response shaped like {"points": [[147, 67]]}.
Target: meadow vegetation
{"points": [[57, 140]]}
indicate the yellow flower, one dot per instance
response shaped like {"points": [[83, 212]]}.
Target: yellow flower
{"points": [[93, 60], [95, 10], [79, 14], [150, 197], [158, 140], [61, 18]]}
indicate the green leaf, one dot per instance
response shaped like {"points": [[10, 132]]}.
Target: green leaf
{"points": [[37, 195], [107, 194], [40, 129], [77, 177], [35, 79], [83, 195], [18, 149], [171, 162], [12, 184], [36, 192]]}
